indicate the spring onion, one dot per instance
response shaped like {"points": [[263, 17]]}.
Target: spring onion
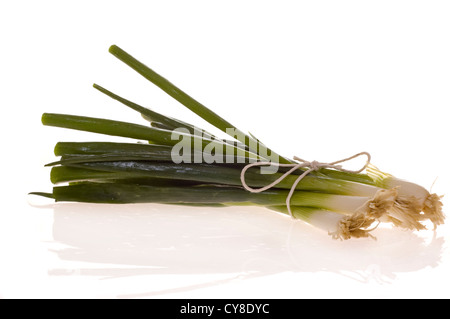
{"points": [[180, 164]]}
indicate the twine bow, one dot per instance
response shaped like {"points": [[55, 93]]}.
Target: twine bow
{"points": [[312, 166]]}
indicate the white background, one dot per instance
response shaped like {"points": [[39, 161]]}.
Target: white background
{"points": [[318, 79]]}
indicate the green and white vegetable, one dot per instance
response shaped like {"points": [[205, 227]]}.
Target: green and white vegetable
{"points": [[343, 203]]}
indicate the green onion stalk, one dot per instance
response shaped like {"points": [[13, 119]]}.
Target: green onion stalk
{"points": [[180, 164]]}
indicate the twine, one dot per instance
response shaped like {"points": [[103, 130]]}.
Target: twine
{"points": [[301, 163]]}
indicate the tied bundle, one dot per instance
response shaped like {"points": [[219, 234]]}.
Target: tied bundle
{"points": [[184, 165]]}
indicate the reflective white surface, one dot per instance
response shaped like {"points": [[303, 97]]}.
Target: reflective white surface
{"points": [[321, 81], [158, 251]]}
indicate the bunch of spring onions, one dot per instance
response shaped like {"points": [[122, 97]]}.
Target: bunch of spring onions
{"points": [[346, 204]]}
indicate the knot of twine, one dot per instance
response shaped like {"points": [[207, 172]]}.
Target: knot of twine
{"points": [[312, 166]]}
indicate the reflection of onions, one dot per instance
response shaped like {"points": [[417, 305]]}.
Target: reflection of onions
{"points": [[247, 241]]}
